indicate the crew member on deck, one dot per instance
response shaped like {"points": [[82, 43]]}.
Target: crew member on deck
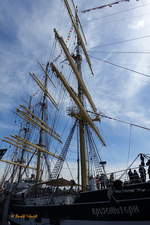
{"points": [[111, 178], [136, 176], [142, 172], [102, 181], [142, 160], [97, 182], [148, 171], [131, 176], [92, 184]]}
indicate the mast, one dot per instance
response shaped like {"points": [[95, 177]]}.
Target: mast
{"points": [[75, 61], [25, 130], [83, 155], [42, 132]]}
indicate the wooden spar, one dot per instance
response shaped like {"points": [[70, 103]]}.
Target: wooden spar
{"points": [[26, 117], [75, 8], [21, 116], [46, 73], [36, 146], [32, 116], [17, 146], [78, 34], [18, 164], [34, 120], [39, 83], [42, 122], [19, 143], [75, 70], [82, 30], [36, 123], [77, 101]]}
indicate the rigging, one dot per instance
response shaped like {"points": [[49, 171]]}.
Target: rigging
{"points": [[103, 6], [110, 5], [113, 64], [59, 164]]}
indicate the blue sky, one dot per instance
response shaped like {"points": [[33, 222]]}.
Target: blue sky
{"points": [[26, 36]]}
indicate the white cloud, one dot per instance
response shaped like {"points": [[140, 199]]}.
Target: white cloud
{"points": [[137, 25]]}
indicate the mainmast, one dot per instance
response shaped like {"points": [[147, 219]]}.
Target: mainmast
{"points": [[75, 62], [83, 153]]}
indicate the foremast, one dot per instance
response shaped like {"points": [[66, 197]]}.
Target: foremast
{"points": [[25, 135], [42, 132], [39, 149]]}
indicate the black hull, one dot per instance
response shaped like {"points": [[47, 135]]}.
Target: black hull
{"points": [[123, 210]]}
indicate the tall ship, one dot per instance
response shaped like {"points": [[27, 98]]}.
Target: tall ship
{"points": [[55, 171]]}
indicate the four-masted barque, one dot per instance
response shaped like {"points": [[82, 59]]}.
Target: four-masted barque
{"points": [[43, 196]]}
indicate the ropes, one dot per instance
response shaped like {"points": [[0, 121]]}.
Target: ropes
{"points": [[103, 6], [122, 121], [124, 11], [102, 20], [123, 52], [113, 64], [129, 150], [94, 152], [123, 41]]}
